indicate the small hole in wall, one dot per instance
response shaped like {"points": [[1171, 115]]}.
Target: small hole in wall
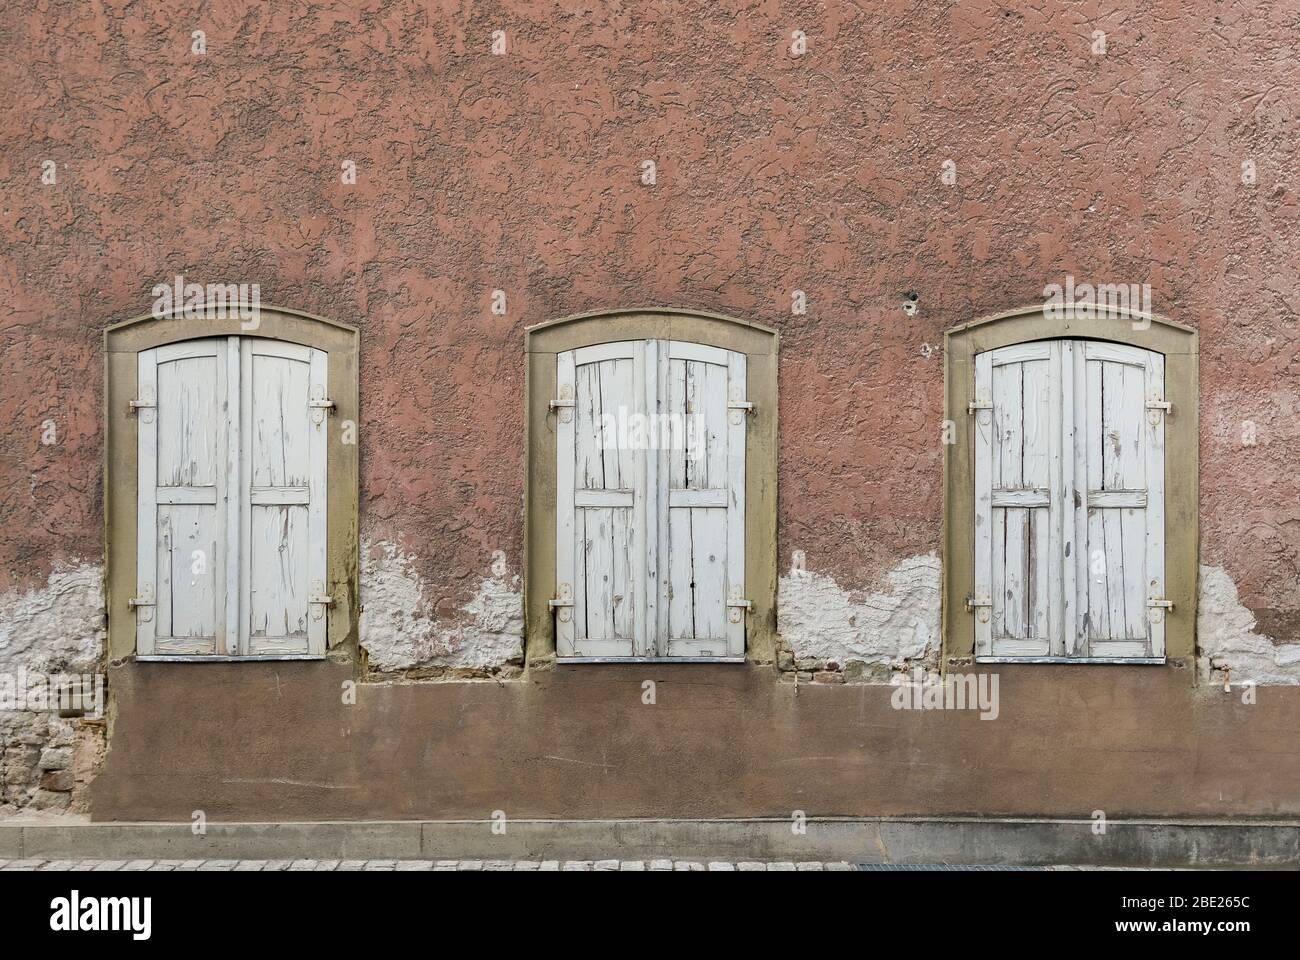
{"points": [[910, 302]]}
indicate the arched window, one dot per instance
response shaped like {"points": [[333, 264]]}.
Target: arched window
{"points": [[231, 486], [1071, 492], [651, 501]]}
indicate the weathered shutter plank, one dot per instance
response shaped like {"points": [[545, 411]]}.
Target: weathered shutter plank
{"points": [[277, 479], [984, 533], [187, 475], [146, 560]]}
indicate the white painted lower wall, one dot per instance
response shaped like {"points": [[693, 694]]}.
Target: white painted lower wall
{"points": [[1226, 638], [893, 627], [400, 628], [45, 761]]}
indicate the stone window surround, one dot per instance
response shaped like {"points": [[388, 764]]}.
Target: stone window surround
{"points": [[760, 345], [1180, 346], [122, 344]]}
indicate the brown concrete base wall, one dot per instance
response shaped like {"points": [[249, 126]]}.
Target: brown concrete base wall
{"points": [[277, 742]]}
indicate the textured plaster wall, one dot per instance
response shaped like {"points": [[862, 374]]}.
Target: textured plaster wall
{"points": [[774, 173]]}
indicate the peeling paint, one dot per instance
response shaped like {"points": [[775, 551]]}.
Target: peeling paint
{"points": [[402, 630], [818, 619], [46, 762], [1227, 637], [58, 627]]}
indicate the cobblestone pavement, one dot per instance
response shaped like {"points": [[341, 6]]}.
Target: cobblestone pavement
{"points": [[499, 865], [264, 865]]}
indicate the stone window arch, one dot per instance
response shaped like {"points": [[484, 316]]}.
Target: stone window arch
{"points": [[969, 349], [627, 337], [318, 358]]}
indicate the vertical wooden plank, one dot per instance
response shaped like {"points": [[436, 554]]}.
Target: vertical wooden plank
{"points": [[1098, 567], [1045, 572], [147, 534], [1154, 427], [1015, 587], [600, 572], [681, 575], [1008, 416], [1041, 440], [736, 426], [622, 586], [588, 435], [165, 628], [1132, 520], [712, 420], [677, 420], [619, 400], [565, 480], [318, 476], [193, 573], [246, 459], [230, 501], [1082, 573], [708, 564], [579, 582], [984, 543], [1063, 518], [648, 509], [1112, 413], [667, 395]]}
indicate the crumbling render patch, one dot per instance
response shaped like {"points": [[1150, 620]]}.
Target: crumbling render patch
{"points": [[822, 625], [401, 629], [47, 762], [58, 627], [1226, 638]]}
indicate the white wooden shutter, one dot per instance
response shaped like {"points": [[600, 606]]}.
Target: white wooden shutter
{"points": [[650, 547], [231, 539], [702, 502], [1069, 501], [283, 498], [183, 484], [1119, 463], [601, 542], [1018, 501]]}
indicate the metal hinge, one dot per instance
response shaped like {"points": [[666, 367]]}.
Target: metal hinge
{"points": [[738, 405], [142, 405], [980, 606], [1158, 606], [318, 599], [735, 605], [319, 405], [1155, 408], [564, 403], [143, 603], [564, 601], [977, 405]]}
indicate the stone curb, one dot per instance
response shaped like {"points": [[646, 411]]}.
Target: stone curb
{"points": [[1014, 842]]}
